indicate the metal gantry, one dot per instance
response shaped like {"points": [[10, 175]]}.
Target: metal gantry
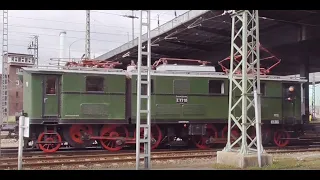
{"points": [[34, 46], [36, 54], [146, 140], [87, 46], [244, 42]]}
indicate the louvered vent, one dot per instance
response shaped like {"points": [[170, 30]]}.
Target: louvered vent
{"points": [[181, 87]]}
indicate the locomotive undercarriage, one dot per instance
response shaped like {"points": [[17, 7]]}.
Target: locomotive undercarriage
{"points": [[115, 137]]}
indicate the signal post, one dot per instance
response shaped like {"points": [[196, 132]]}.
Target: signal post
{"points": [[23, 132]]}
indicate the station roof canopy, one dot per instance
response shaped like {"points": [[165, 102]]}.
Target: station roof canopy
{"points": [[206, 35]]}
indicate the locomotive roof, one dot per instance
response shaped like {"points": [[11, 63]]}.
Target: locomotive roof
{"points": [[85, 70]]}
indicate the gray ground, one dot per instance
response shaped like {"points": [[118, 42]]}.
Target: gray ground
{"points": [[8, 142], [286, 161]]}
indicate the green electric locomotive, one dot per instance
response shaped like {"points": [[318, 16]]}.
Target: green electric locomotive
{"points": [[80, 106]]}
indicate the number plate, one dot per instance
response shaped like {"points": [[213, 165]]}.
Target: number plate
{"points": [[181, 99], [274, 121]]}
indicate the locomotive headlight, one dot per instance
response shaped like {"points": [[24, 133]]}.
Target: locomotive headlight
{"points": [[291, 89], [290, 93]]}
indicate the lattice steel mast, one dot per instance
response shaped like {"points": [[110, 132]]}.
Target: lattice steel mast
{"points": [[87, 46], [244, 42], [147, 127], [5, 70]]}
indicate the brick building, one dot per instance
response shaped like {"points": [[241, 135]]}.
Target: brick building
{"points": [[16, 61]]}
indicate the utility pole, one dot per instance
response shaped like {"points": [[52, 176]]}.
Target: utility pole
{"points": [[5, 72], [87, 46], [132, 27], [34, 45], [313, 103], [132, 17]]}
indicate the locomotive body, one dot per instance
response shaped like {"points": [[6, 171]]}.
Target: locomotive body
{"points": [[81, 106], [205, 99], [68, 97]]}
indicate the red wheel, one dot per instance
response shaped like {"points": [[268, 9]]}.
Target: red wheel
{"points": [[156, 136], [252, 132], [76, 129], [234, 131], [113, 131], [266, 132], [200, 141], [54, 138], [279, 138]]}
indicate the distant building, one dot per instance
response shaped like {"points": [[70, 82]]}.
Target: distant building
{"points": [[15, 90]]}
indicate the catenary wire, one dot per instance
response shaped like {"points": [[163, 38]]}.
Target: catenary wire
{"points": [[71, 37]]}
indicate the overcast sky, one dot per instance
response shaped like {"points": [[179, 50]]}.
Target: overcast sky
{"points": [[109, 29]]}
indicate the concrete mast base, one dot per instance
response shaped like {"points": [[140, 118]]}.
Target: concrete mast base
{"points": [[242, 161]]}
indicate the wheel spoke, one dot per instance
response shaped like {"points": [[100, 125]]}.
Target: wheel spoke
{"points": [[200, 141], [280, 138], [234, 132], [112, 131], [155, 134], [49, 147], [75, 132]]}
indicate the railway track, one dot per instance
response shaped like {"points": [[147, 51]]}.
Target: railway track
{"points": [[51, 161], [13, 151], [66, 160]]}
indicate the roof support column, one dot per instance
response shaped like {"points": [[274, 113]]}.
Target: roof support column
{"points": [[304, 72]]}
